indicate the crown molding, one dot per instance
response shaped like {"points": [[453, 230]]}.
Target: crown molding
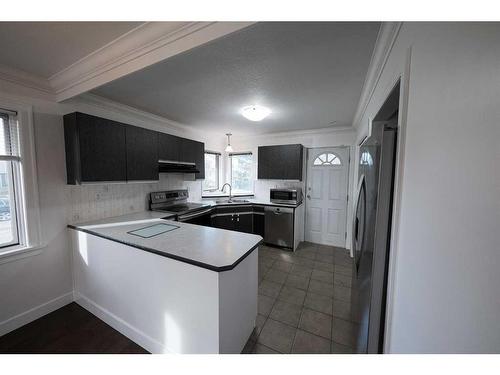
{"points": [[147, 44], [24, 79], [144, 45], [316, 131], [385, 41], [123, 112], [298, 133]]}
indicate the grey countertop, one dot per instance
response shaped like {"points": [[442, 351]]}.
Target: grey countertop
{"points": [[253, 201], [211, 248]]}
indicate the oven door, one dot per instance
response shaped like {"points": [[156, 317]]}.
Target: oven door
{"points": [[201, 217]]}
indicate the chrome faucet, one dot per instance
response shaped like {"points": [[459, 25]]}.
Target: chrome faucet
{"points": [[230, 195]]}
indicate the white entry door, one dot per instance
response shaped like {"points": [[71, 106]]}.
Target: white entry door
{"points": [[326, 195]]}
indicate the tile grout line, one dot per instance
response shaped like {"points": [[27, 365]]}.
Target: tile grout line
{"points": [[275, 301], [301, 313], [274, 350], [333, 318], [268, 317], [272, 307]]}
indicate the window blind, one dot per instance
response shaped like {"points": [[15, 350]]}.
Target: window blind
{"points": [[9, 136]]}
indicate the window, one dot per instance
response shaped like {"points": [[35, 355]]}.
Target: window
{"points": [[327, 158], [20, 233], [212, 167], [241, 172], [366, 159], [9, 179], [3, 180]]}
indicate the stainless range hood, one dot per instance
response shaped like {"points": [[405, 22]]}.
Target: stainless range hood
{"points": [[169, 166]]}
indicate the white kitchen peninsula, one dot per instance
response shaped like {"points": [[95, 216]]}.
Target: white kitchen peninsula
{"points": [[190, 289]]}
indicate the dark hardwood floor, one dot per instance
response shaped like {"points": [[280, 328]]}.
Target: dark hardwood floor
{"points": [[71, 329]]}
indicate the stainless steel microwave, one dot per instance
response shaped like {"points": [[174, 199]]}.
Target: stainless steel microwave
{"points": [[288, 196]]}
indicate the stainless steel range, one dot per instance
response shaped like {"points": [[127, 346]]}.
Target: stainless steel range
{"points": [[175, 202]]}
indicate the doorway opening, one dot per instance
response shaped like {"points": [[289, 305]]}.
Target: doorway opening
{"points": [[372, 221]]}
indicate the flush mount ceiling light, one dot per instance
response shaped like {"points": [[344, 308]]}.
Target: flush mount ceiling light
{"points": [[255, 112], [229, 148]]}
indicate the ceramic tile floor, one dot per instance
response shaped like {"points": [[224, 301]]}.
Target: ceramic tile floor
{"points": [[304, 301]]}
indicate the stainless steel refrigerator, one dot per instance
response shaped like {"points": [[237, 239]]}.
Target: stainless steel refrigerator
{"points": [[371, 234]]}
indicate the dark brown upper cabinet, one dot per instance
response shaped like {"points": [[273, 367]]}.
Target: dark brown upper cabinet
{"points": [[280, 162], [95, 149], [177, 149], [142, 154], [101, 150], [169, 147], [194, 152]]}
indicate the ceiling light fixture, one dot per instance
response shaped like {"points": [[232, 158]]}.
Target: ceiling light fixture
{"points": [[255, 112], [229, 148]]}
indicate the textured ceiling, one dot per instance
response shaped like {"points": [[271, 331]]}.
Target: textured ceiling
{"points": [[308, 74], [45, 48]]}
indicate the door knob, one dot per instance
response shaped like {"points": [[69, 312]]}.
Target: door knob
{"points": [[308, 196]]}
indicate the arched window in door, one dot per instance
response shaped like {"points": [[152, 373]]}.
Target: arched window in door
{"points": [[327, 159], [366, 159]]}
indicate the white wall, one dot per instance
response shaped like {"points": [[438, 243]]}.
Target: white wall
{"points": [[444, 292], [36, 280]]}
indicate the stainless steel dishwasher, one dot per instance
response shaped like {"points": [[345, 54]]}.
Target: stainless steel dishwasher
{"points": [[279, 226]]}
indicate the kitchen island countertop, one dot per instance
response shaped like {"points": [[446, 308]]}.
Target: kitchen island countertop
{"points": [[211, 248]]}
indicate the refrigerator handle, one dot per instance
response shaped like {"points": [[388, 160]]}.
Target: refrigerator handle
{"points": [[356, 229], [361, 194]]}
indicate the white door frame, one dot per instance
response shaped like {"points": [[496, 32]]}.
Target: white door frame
{"points": [[348, 182]]}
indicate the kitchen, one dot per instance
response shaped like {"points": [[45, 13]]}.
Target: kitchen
{"points": [[146, 155], [137, 189], [277, 220], [241, 193]]}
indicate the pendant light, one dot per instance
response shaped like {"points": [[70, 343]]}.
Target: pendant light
{"points": [[229, 148]]}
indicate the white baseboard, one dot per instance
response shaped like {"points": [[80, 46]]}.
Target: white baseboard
{"points": [[36, 312], [134, 334]]}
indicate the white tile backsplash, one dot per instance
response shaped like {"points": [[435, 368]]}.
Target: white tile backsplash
{"points": [[98, 201]]}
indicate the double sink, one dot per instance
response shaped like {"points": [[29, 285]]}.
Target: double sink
{"points": [[228, 201]]}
